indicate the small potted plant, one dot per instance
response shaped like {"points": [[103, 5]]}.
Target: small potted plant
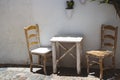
{"points": [[69, 8], [70, 4]]}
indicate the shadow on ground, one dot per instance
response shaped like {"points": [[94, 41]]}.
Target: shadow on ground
{"points": [[108, 74]]}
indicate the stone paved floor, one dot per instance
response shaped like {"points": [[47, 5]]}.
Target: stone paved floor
{"points": [[23, 73]]}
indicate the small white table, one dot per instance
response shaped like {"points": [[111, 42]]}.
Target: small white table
{"points": [[77, 40]]}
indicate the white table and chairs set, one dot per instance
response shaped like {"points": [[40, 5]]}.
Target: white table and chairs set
{"points": [[56, 44], [34, 48]]}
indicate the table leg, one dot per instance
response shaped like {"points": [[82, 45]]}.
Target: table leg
{"points": [[57, 53], [54, 57], [78, 57]]}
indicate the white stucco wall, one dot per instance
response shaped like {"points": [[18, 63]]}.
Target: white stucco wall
{"points": [[52, 19]]}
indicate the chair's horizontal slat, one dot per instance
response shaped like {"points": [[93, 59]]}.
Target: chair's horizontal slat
{"points": [[33, 43], [108, 44], [30, 27], [109, 27], [95, 62], [32, 35], [109, 36]]}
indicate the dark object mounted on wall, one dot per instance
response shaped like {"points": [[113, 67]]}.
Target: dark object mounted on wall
{"points": [[116, 4], [70, 4]]}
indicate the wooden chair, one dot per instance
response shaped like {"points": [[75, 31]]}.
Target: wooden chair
{"points": [[108, 49], [33, 45]]}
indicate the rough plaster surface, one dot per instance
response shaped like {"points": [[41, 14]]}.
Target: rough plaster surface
{"points": [[51, 17]]}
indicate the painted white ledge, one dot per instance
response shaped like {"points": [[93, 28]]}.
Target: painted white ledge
{"points": [[69, 13]]}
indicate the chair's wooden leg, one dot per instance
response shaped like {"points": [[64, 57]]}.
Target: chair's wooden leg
{"points": [[44, 64], [39, 59], [31, 63], [101, 68], [113, 62], [87, 57]]}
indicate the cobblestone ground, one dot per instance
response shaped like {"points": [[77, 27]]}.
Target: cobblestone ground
{"points": [[16, 73]]}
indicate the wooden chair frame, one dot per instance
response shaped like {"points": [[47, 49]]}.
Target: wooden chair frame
{"points": [[36, 42], [102, 53]]}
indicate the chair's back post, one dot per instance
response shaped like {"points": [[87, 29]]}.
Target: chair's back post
{"points": [[102, 32], [38, 34], [26, 37], [115, 42], [25, 30]]}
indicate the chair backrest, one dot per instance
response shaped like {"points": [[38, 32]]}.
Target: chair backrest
{"points": [[109, 37], [32, 36]]}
